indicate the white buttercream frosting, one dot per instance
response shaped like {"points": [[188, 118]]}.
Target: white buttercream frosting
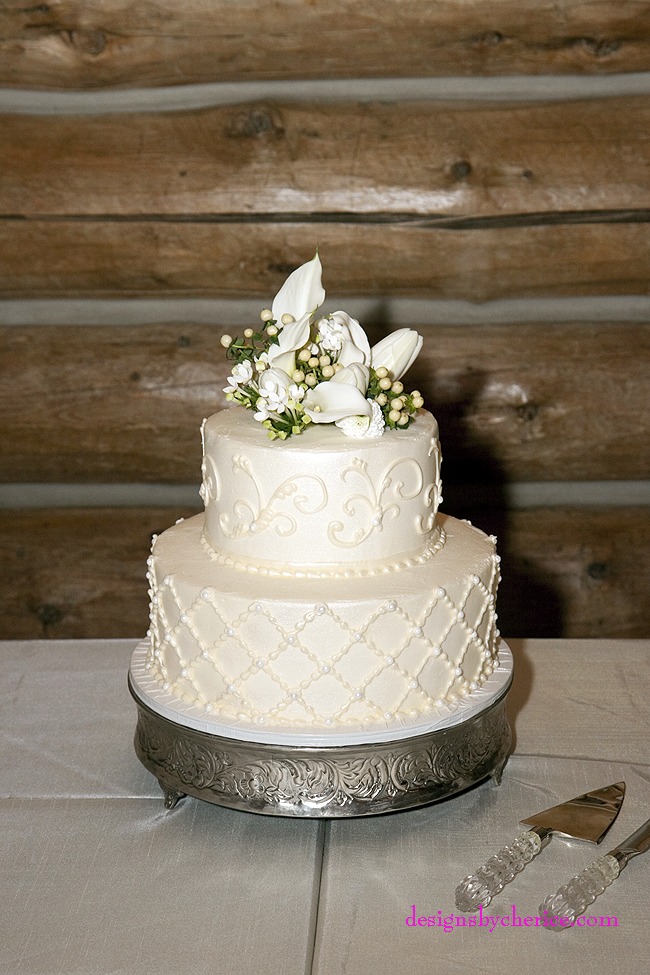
{"points": [[321, 593], [322, 499], [314, 655]]}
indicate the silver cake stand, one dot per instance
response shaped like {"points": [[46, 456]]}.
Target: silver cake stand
{"points": [[380, 772]]}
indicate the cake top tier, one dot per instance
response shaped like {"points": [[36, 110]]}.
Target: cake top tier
{"points": [[324, 503]]}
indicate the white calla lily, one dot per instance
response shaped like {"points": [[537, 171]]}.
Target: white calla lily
{"points": [[291, 338], [335, 399], [397, 352], [301, 294]]}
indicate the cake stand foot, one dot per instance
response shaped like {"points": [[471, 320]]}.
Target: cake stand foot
{"points": [[497, 773], [171, 796]]}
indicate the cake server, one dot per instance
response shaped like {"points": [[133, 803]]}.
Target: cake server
{"points": [[560, 910], [587, 817]]}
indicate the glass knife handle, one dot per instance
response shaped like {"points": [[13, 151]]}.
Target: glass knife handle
{"points": [[479, 889], [560, 910]]}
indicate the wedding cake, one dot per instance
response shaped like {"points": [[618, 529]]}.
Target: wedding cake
{"points": [[320, 591]]}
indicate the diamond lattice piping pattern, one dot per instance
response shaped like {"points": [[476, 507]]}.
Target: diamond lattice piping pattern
{"points": [[284, 682]]}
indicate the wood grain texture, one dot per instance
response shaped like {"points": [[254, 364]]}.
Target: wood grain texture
{"points": [[531, 402], [447, 162], [566, 573], [454, 201], [574, 572], [77, 572], [102, 259], [115, 43]]}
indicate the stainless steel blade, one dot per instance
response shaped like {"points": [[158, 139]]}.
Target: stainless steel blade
{"points": [[638, 842], [587, 817], [562, 908]]}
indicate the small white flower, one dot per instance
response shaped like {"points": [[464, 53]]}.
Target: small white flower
{"points": [[364, 426], [296, 392], [344, 338], [262, 412], [274, 386], [331, 337], [242, 374]]}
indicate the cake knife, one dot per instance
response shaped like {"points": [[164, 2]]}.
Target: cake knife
{"points": [[587, 817], [561, 909]]}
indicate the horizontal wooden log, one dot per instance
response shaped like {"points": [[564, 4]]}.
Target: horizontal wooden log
{"points": [[526, 402], [42, 259], [115, 43], [566, 573], [457, 165], [579, 572]]}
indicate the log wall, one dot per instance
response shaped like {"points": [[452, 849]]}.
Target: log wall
{"points": [[485, 203]]}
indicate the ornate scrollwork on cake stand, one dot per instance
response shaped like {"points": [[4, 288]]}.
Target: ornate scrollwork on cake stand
{"points": [[359, 779]]}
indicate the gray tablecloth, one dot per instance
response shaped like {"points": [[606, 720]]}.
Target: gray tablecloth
{"points": [[96, 877]]}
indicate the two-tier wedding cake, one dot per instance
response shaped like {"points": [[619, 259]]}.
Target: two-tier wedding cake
{"points": [[321, 592]]}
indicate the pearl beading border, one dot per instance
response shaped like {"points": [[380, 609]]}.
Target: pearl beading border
{"points": [[257, 568]]}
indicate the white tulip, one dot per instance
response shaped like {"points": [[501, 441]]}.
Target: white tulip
{"points": [[301, 294], [353, 375], [397, 352]]}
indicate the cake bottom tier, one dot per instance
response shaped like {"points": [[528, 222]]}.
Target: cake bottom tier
{"points": [[322, 655]]}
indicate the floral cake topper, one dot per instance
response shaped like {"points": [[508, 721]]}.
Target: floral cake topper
{"points": [[301, 367]]}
